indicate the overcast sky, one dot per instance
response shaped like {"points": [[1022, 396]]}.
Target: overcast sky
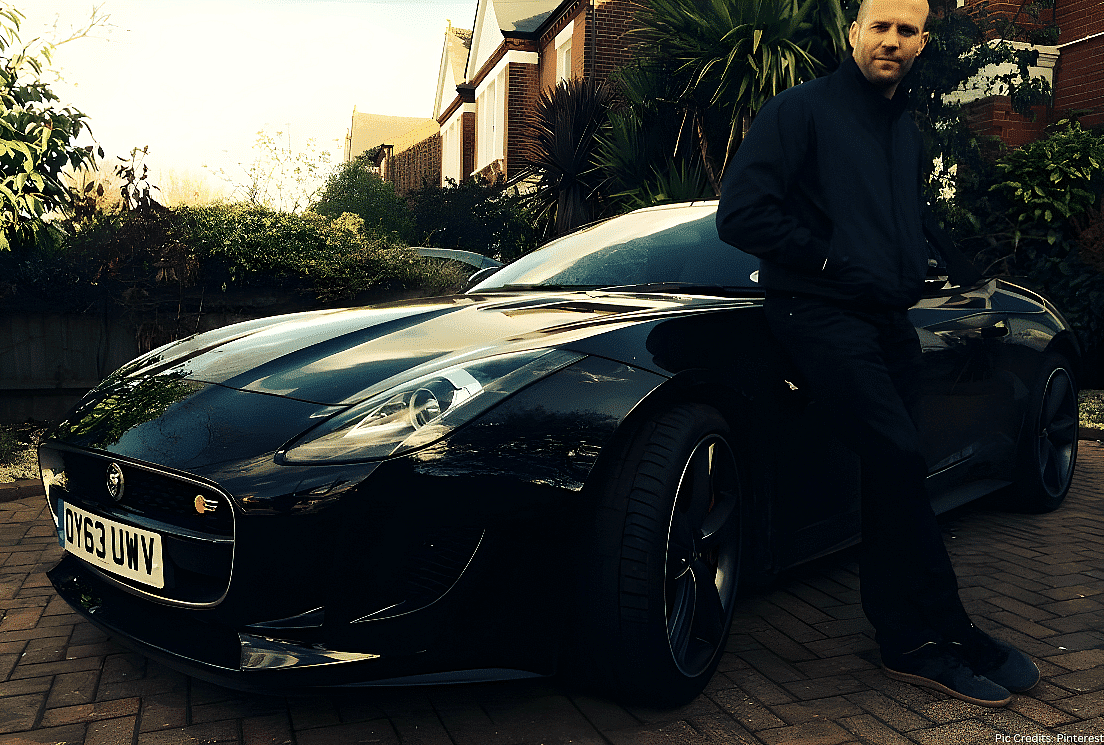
{"points": [[196, 79]]}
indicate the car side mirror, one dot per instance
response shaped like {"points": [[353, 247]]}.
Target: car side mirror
{"points": [[481, 275]]}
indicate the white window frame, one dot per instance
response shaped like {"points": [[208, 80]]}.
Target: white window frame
{"points": [[563, 45]]}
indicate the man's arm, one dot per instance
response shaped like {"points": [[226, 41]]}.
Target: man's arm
{"points": [[754, 215]]}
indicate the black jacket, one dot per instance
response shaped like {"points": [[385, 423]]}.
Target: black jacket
{"points": [[830, 170]]}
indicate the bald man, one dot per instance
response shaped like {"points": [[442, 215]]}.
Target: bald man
{"points": [[826, 190]]}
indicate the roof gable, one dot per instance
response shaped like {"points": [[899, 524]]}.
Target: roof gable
{"points": [[497, 19], [454, 58]]}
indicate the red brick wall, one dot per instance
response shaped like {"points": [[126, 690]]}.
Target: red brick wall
{"points": [[467, 146], [523, 83], [1078, 18], [410, 168], [994, 116], [1080, 81], [613, 20]]}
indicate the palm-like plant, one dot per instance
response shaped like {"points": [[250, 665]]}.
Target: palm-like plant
{"points": [[732, 56], [561, 163]]}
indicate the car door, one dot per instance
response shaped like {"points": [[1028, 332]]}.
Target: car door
{"points": [[965, 413]]}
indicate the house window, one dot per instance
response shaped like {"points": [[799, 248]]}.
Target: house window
{"points": [[492, 119], [451, 147], [563, 53]]}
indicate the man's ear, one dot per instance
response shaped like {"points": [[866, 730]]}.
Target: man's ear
{"points": [[923, 41], [853, 34]]}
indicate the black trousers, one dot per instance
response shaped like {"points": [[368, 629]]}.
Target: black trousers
{"points": [[863, 365]]}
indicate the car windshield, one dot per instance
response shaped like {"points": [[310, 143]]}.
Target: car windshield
{"points": [[665, 248]]}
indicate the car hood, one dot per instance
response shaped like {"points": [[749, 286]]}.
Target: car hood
{"points": [[332, 357]]}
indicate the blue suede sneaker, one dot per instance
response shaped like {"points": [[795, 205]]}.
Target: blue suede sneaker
{"points": [[998, 661], [938, 667]]}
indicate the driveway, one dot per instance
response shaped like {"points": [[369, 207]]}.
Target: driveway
{"points": [[800, 666]]}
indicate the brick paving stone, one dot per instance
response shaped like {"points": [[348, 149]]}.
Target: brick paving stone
{"points": [[1072, 591], [842, 664], [970, 732], [90, 712], [423, 729], [1083, 660], [1084, 706], [25, 686], [949, 710], [72, 734], [19, 713], [809, 733], [770, 665], [1092, 727], [241, 706], [377, 732], [898, 717], [799, 712], [164, 711], [604, 714], [56, 668], [209, 733], [761, 687], [1082, 681], [314, 711], [274, 729], [1011, 723], [73, 688], [111, 731], [675, 733], [869, 729], [746, 710], [554, 716], [1040, 711], [833, 685]]}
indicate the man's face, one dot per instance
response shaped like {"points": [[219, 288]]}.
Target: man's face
{"points": [[886, 39]]}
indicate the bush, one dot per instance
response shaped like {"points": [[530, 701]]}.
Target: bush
{"points": [[132, 258], [475, 215], [1026, 224], [355, 187]]}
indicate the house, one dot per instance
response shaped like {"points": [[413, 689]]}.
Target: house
{"points": [[518, 48], [367, 131], [1074, 66]]}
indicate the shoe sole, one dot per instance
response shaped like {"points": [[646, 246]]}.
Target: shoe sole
{"points": [[936, 685]]}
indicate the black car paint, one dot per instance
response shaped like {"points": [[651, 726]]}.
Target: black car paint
{"points": [[492, 510]]}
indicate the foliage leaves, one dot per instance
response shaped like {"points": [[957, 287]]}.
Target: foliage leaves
{"points": [[36, 136], [565, 124], [356, 187], [489, 218]]}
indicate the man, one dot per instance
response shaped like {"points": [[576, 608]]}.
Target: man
{"points": [[826, 190]]}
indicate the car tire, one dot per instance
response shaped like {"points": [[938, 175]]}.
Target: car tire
{"points": [[665, 561], [1048, 441]]}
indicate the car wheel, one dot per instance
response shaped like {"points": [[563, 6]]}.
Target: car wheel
{"points": [[667, 550], [1048, 444]]}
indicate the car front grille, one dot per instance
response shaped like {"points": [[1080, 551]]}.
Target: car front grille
{"points": [[195, 520]]}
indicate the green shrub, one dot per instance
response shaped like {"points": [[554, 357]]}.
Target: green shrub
{"points": [[355, 187], [1052, 180], [475, 215], [1025, 223]]}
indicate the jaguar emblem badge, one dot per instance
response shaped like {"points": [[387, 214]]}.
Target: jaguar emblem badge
{"points": [[115, 481]]}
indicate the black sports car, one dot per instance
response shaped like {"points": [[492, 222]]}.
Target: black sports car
{"points": [[573, 466]]}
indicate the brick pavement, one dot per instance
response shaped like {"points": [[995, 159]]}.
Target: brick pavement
{"points": [[800, 666]]}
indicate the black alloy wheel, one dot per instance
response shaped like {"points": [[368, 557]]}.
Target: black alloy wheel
{"points": [[663, 574], [1048, 444], [702, 558]]}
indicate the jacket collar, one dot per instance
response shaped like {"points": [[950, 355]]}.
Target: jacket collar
{"points": [[853, 77]]}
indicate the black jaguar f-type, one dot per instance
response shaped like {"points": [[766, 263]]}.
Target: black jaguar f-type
{"points": [[573, 466]]}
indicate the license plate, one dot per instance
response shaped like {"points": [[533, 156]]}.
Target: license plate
{"points": [[114, 547]]}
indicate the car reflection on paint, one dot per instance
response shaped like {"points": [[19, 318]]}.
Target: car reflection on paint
{"points": [[572, 467]]}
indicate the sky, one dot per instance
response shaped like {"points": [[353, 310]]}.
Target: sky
{"points": [[195, 80]]}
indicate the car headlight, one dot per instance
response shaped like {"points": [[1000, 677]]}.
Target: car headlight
{"points": [[424, 409]]}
